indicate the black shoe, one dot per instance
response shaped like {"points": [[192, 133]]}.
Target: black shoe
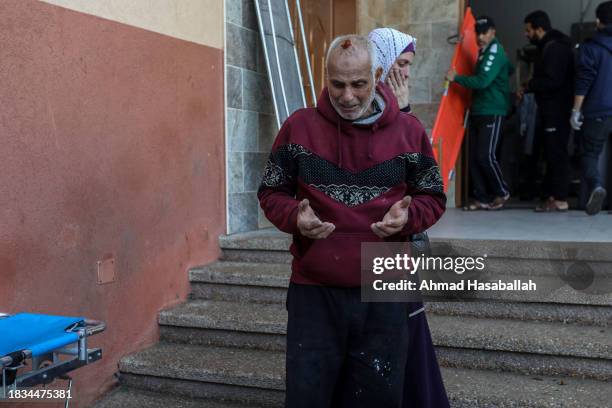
{"points": [[596, 201]]}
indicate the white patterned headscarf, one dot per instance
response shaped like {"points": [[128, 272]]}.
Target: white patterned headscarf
{"points": [[389, 45]]}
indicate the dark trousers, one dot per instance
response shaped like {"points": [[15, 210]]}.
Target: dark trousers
{"points": [[595, 132], [554, 133], [531, 170], [343, 353], [485, 172]]}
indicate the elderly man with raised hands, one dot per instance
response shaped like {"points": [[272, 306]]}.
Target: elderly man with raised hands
{"points": [[351, 170]]}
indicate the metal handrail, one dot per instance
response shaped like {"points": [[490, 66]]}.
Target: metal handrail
{"points": [[305, 46], [268, 62], [278, 64]]}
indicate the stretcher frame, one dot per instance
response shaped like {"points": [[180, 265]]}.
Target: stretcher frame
{"points": [[78, 356]]}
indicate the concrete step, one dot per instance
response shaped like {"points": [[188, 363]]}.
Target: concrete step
{"points": [[245, 376], [124, 397], [525, 363], [243, 273], [555, 293], [529, 347], [565, 272], [557, 281], [264, 282], [553, 339], [258, 255], [221, 323], [241, 281], [269, 239], [220, 315], [548, 312], [222, 365], [486, 389], [551, 288], [274, 240], [268, 245], [257, 376]]}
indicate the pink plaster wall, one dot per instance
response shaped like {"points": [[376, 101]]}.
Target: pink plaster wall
{"points": [[111, 145]]}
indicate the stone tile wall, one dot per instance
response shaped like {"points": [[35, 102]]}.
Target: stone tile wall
{"points": [[251, 125], [431, 22]]}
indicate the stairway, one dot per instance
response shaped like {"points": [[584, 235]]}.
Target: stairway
{"points": [[225, 346]]}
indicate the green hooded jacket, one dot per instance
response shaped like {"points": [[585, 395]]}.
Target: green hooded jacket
{"points": [[490, 82]]}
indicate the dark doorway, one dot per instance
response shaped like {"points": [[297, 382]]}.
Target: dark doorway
{"points": [[521, 159]]}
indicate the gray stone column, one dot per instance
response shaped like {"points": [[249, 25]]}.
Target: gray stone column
{"points": [[432, 22], [251, 126]]}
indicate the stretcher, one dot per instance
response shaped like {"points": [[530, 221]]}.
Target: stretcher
{"points": [[37, 349]]}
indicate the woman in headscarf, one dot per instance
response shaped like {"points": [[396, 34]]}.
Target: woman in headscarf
{"points": [[423, 385], [394, 53]]}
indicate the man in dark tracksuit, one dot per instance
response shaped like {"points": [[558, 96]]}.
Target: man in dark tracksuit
{"points": [[490, 103], [593, 100], [553, 86]]}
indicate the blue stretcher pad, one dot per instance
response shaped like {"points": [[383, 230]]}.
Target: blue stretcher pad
{"points": [[36, 332], [37, 349]]}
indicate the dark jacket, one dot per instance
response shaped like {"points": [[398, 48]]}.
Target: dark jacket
{"points": [[553, 76], [351, 174], [594, 74]]}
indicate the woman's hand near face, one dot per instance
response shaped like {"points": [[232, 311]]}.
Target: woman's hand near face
{"points": [[399, 85]]}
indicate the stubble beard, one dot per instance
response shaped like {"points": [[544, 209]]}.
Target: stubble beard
{"points": [[361, 112]]}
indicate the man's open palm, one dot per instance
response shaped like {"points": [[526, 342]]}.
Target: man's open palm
{"points": [[394, 220], [310, 225]]}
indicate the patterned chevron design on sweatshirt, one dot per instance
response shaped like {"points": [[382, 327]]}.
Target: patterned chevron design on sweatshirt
{"points": [[292, 161]]}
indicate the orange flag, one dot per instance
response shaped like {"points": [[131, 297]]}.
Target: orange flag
{"points": [[450, 123]]}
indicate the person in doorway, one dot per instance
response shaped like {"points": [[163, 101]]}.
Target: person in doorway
{"points": [[351, 170], [490, 104], [395, 53], [592, 109], [552, 84]]}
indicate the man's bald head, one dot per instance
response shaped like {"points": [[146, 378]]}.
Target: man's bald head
{"points": [[352, 47], [351, 76]]}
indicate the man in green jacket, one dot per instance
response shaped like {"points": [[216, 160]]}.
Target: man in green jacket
{"points": [[490, 104]]}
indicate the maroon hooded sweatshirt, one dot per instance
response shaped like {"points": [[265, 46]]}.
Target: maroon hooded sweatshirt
{"points": [[352, 175]]}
